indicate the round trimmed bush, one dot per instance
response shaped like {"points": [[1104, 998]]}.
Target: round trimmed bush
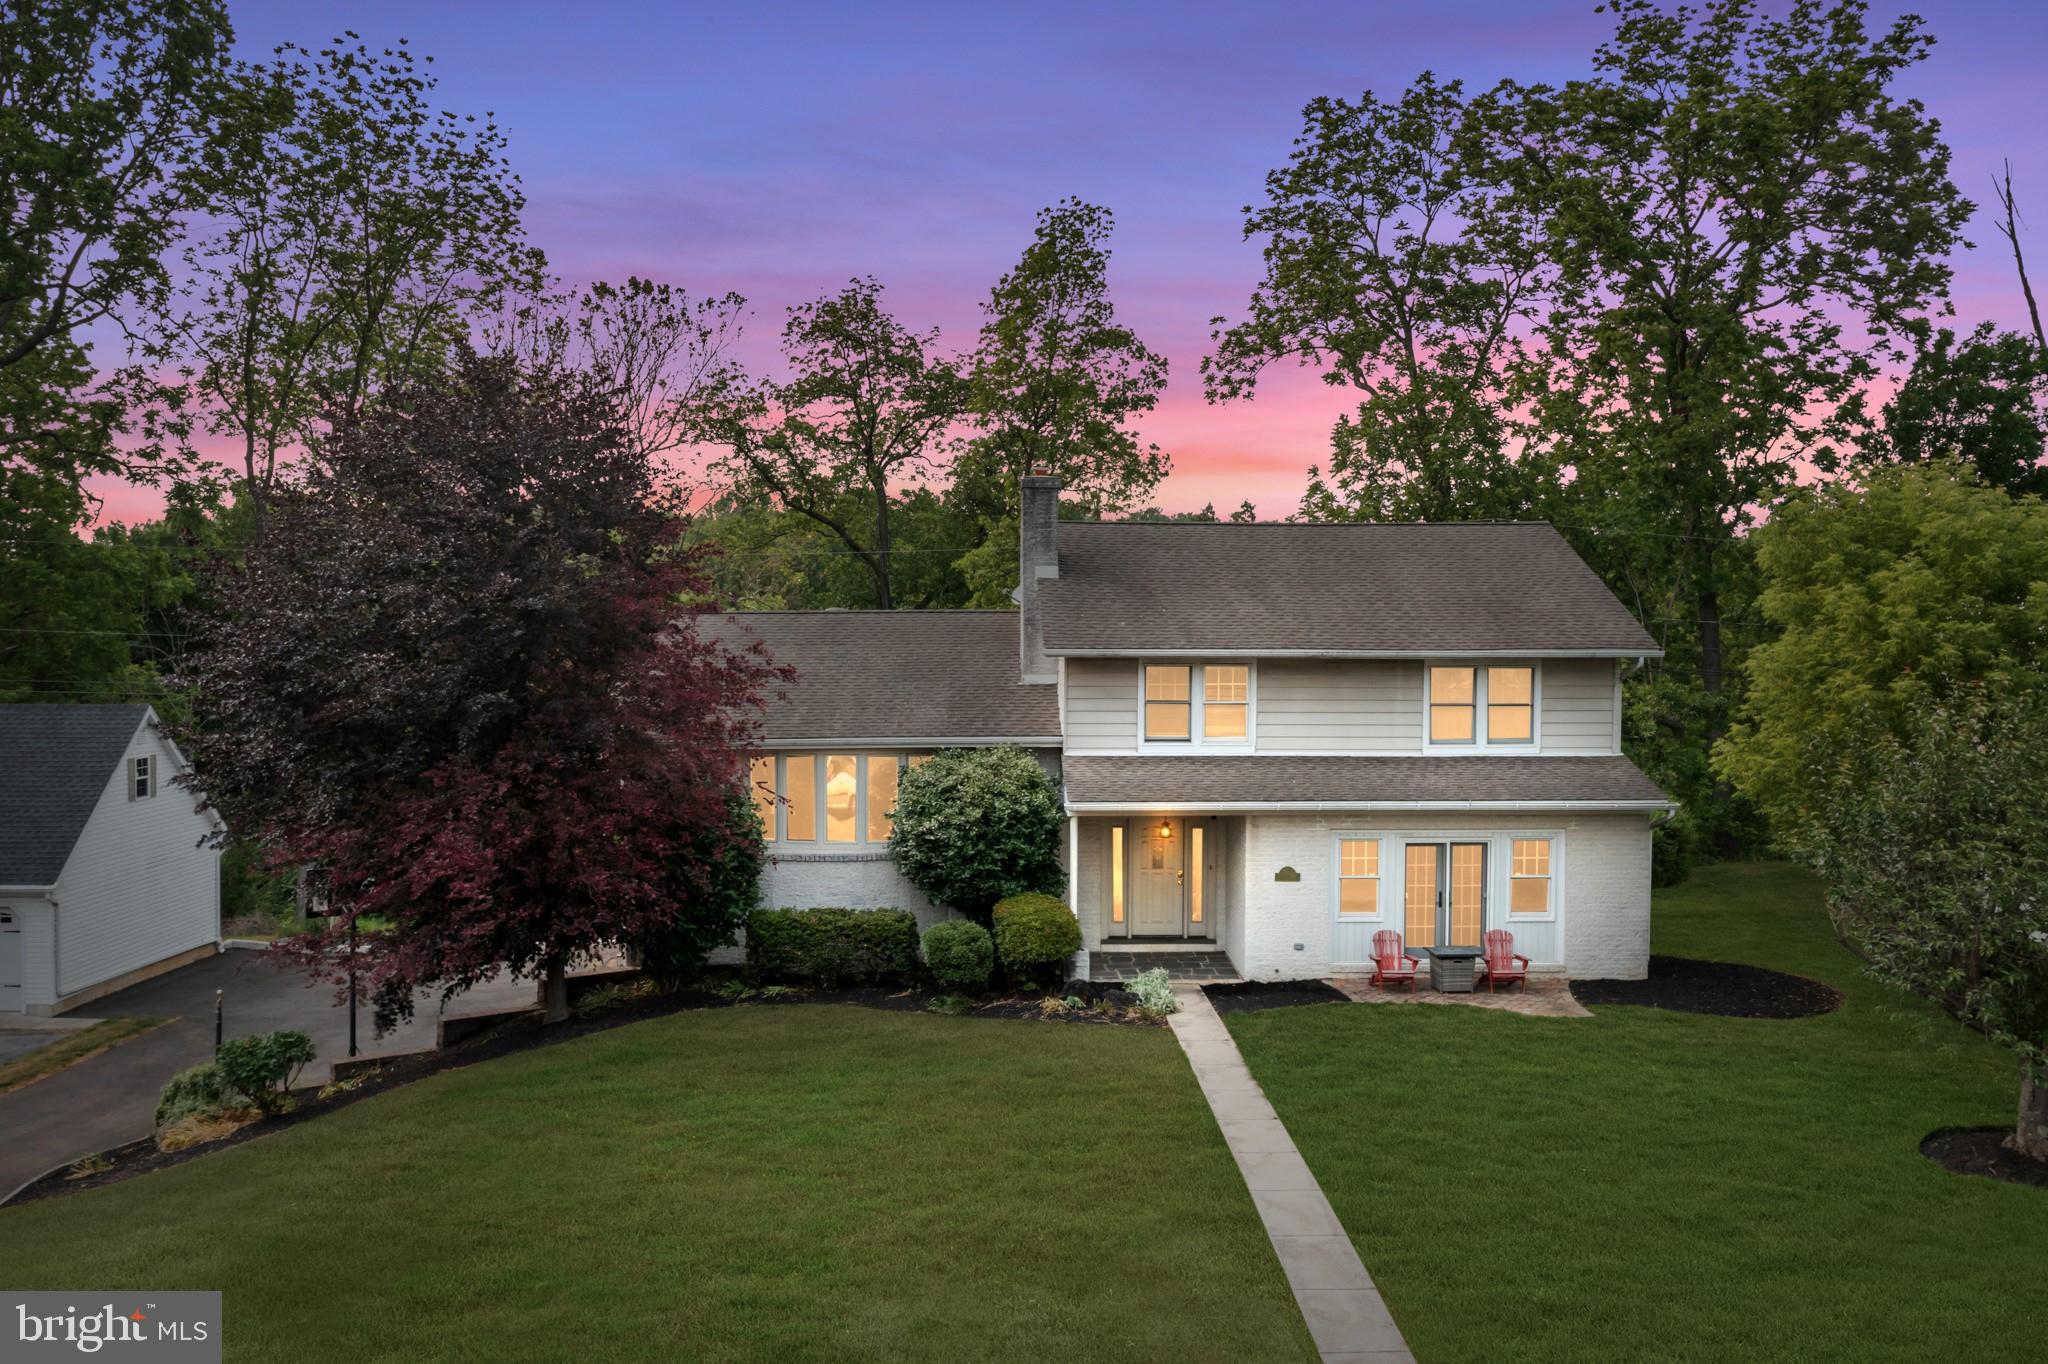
{"points": [[974, 825], [959, 954], [1035, 934]]}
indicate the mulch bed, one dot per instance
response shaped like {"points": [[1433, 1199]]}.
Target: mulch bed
{"points": [[1726, 988], [526, 1032], [1982, 1151], [1250, 996]]}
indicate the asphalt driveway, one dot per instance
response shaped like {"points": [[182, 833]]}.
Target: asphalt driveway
{"points": [[111, 1098]]}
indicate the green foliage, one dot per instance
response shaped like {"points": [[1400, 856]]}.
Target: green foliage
{"points": [[1926, 823], [251, 894], [1056, 378], [261, 1068], [866, 411], [976, 825], [1883, 597], [833, 946], [959, 954], [726, 881], [1154, 991], [1035, 935], [199, 1092], [1983, 399]]}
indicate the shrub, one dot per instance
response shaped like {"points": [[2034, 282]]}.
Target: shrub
{"points": [[833, 946], [959, 954], [199, 1091], [975, 825], [673, 952], [261, 1068], [1154, 991], [1036, 935]]}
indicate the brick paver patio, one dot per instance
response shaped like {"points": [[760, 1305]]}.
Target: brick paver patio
{"points": [[1543, 996]]}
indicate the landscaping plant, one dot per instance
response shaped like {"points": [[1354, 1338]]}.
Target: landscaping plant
{"points": [[1154, 990], [833, 946], [261, 1068], [977, 825], [198, 1092], [959, 954], [1036, 936]]}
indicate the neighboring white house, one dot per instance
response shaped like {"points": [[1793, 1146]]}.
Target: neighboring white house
{"points": [[1275, 740], [104, 879]]}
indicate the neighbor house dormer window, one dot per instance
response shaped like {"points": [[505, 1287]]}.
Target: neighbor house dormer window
{"points": [[1198, 704], [1482, 706], [141, 778]]}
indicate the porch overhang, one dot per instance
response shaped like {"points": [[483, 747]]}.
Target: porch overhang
{"points": [[1194, 784]]}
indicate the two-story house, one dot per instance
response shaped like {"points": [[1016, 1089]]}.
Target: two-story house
{"points": [[1274, 739]]}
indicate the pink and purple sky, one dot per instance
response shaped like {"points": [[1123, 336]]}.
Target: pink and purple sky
{"points": [[778, 150]]}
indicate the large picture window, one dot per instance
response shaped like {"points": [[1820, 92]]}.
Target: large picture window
{"points": [[1484, 707], [1197, 704], [853, 794]]}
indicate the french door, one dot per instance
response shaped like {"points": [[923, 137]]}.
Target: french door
{"points": [[1444, 903]]}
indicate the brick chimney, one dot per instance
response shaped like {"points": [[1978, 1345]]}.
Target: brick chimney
{"points": [[1038, 558]]}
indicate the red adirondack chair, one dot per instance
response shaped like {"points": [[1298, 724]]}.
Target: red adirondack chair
{"points": [[1389, 962], [1504, 965]]}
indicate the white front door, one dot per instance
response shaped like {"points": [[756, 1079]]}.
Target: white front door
{"points": [[11, 962], [1158, 882]]}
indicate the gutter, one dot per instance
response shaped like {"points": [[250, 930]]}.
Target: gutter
{"points": [[1300, 807], [1197, 651]]}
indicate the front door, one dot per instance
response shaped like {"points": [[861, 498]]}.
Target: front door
{"points": [[11, 963], [1158, 881], [1445, 901]]}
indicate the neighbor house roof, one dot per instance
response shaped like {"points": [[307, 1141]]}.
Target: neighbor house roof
{"points": [[1363, 590], [895, 676], [1165, 783], [54, 763]]}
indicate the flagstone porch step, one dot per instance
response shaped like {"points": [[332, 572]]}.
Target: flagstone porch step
{"points": [[1194, 964]]}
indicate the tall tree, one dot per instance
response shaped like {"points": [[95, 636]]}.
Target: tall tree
{"points": [[1726, 207], [1983, 398], [1391, 267], [356, 231], [453, 675], [104, 105], [865, 413], [1056, 378]]}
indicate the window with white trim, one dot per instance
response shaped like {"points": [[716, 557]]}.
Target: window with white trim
{"points": [[1358, 878], [141, 778], [846, 798], [1529, 878], [1482, 707], [1198, 704]]}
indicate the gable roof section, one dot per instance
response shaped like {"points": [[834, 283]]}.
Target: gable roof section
{"points": [[1361, 590], [54, 763], [1358, 783], [940, 676]]}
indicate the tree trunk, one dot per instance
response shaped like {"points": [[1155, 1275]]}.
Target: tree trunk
{"points": [[555, 994], [2030, 1138], [1710, 642]]}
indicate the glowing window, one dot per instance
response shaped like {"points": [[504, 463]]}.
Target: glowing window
{"points": [[1226, 697], [800, 792], [1168, 701], [1358, 876], [1452, 698], [1529, 877], [1195, 842], [1116, 873], [1510, 705], [761, 785], [881, 797]]}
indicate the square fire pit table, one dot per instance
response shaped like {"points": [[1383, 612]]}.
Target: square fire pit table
{"points": [[1452, 969]]}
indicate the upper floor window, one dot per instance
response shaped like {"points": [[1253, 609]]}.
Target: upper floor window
{"points": [[828, 797], [141, 778], [1197, 703], [1482, 706]]}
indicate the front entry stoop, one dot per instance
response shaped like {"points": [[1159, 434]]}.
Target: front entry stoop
{"points": [[1345, 1314], [1191, 964]]}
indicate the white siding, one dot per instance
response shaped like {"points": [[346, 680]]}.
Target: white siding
{"points": [[38, 950], [137, 888], [1578, 706], [1102, 705], [1602, 928], [1334, 706]]}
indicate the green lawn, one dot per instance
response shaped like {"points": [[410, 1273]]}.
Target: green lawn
{"points": [[1652, 1185], [787, 1183]]}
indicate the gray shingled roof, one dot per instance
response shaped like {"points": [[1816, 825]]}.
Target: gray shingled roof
{"points": [[54, 763], [1390, 588], [944, 675], [1353, 781]]}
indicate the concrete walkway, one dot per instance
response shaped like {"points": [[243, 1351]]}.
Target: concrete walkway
{"points": [[1344, 1312]]}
